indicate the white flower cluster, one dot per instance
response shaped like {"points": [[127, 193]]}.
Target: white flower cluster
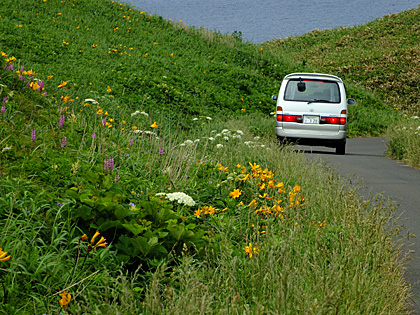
{"points": [[189, 143], [137, 112], [226, 135], [181, 197], [147, 133], [6, 148], [94, 102], [199, 118]]}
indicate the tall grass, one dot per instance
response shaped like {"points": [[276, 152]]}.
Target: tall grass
{"points": [[102, 145]]}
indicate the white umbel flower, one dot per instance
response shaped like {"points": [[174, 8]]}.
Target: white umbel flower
{"points": [[181, 197], [91, 100]]}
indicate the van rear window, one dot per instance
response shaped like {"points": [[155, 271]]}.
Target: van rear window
{"points": [[312, 90]]}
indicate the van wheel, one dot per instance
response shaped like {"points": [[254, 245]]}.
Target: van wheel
{"points": [[340, 149]]}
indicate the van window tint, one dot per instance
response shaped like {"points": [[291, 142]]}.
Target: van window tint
{"points": [[314, 90]]}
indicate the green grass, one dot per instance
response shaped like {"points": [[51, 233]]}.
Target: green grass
{"points": [[194, 122]]}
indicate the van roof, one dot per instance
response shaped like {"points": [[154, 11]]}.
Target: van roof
{"points": [[313, 75]]}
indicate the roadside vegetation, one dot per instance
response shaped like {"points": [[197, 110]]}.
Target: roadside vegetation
{"points": [[139, 174], [381, 57]]}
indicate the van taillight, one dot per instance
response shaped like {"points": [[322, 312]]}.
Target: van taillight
{"points": [[333, 120], [289, 118]]}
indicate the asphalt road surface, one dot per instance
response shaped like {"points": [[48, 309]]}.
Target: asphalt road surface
{"points": [[365, 160]]}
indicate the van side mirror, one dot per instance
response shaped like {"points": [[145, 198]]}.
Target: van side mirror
{"points": [[275, 97], [351, 101]]}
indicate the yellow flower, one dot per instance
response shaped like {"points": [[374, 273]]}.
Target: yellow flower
{"points": [[83, 237], [49, 77], [154, 125], [252, 203], [65, 298], [94, 236], [296, 189], [108, 89], [171, 55], [10, 59], [155, 43], [3, 256], [235, 193], [102, 242], [94, 45], [249, 250], [197, 213], [35, 86], [62, 84], [65, 43], [29, 72]]}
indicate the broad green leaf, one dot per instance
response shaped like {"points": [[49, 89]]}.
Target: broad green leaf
{"points": [[134, 228]]}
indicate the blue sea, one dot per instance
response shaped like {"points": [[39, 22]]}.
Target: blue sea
{"points": [[264, 20]]}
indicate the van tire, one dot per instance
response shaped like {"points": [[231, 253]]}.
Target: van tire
{"points": [[340, 149]]}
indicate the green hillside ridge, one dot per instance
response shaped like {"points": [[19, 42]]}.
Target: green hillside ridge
{"points": [[382, 56], [139, 174]]}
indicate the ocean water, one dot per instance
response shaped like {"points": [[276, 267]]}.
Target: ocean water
{"points": [[264, 20]]}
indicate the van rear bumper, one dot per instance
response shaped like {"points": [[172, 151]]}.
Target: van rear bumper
{"points": [[327, 135], [327, 140]]}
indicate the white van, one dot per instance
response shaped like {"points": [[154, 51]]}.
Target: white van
{"points": [[312, 109]]}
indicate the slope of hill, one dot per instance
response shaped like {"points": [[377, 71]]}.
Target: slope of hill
{"points": [[139, 175]]}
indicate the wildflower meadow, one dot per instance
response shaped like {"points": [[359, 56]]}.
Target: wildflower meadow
{"points": [[139, 174]]}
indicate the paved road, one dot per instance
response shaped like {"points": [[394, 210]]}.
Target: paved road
{"points": [[365, 160]]}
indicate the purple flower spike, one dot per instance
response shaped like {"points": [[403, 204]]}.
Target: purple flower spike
{"points": [[63, 142], [33, 135], [93, 135], [3, 109], [131, 204], [62, 119], [41, 85], [104, 121], [5, 99], [21, 77], [108, 164], [22, 68], [11, 67], [160, 151], [131, 141]]}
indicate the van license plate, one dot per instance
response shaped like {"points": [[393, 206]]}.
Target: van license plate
{"points": [[311, 119]]}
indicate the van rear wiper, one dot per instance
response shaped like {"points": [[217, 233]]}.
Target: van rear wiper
{"points": [[319, 101]]}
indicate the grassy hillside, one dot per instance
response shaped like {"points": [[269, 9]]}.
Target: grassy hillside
{"points": [[139, 175], [382, 56]]}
